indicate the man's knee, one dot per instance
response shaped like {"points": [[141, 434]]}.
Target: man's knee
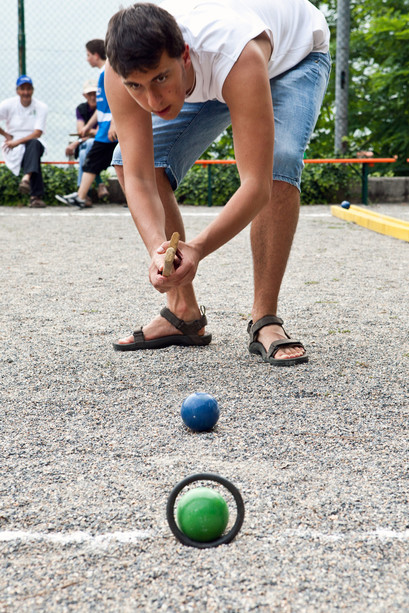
{"points": [[285, 192], [35, 146], [32, 155], [162, 180], [161, 175], [288, 168]]}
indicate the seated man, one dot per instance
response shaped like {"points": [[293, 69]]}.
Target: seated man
{"points": [[81, 147], [261, 66], [23, 147]]}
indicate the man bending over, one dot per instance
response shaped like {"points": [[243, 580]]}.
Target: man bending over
{"points": [[177, 76]]}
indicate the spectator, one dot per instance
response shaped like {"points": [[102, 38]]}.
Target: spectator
{"points": [[80, 148], [23, 147], [100, 155]]}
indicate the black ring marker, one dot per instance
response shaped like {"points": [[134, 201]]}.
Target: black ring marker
{"points": [[223, 540]]}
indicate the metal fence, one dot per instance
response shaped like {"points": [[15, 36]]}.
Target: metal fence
{"points": [[55, 37]]}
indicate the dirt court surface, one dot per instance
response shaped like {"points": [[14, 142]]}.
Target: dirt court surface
{"points": [[92, 441]]}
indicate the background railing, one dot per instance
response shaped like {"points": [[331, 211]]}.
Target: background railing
{"points": [[365, 162]]}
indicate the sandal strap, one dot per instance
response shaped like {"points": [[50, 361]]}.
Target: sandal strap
{"points": [[280, 344], [138, 335], [267, 320], [192, 327]]}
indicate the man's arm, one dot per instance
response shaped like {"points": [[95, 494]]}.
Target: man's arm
{"points": [[24, 139], [112, 134], [4, 112], [91, 132], [248, 96], [84, 131], [6, 135], [134, 128]]}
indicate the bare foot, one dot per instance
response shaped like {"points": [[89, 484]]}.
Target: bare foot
{"points": [[158, 327], [271, 333]]}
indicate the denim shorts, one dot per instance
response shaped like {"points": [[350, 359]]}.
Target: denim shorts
{"points": [[297, 96]]}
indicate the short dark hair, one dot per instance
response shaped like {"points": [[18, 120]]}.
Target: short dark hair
{"points": [[138, 35], [97, 45]]}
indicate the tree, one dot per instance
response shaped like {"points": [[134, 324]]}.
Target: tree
{"points": [[379, 81]]}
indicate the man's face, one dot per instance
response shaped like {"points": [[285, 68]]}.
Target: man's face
{"points": [[25, 92], [91, 98], [92, 59], [161, 90]]}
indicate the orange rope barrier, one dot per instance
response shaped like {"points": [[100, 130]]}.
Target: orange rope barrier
{"points": [[370, 161], [67, 162], [207, 162], [364, 161]]}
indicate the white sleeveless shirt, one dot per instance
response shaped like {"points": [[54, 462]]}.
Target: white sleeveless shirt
{"points": [[218, 30]]}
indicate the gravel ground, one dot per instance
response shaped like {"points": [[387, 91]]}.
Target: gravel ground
{"points": [[92, 442]]}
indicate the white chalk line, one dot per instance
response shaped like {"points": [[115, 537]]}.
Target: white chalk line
{"points": [[97, 541], [86, 214], [381, 534], [131, 537]]}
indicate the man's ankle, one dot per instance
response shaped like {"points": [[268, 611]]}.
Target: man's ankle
{"points": [[257, 314], [185, 312]]}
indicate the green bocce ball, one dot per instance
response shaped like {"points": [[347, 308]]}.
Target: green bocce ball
{"points": [[202, 514]]}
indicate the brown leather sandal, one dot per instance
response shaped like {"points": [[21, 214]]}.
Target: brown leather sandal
{"points": [[24, 187], [188, 338], [268, 356]]}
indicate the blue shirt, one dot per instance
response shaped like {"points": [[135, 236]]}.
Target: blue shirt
{"points": [[103, 110]]}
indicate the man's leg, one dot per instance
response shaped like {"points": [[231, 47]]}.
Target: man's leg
{"points": [[98, 159], [85, 148], [87, 180], [178, 144], [79, 198], [272, 233], [181, 301], [32, 166], [297, 96]]}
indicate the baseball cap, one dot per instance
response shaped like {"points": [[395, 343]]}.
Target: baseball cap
{"points": [[90, 86], [23, 79]]}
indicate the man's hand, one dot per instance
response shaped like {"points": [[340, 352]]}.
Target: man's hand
{"points": [[11, 143], [112, 134], [185, 264], [70, 149]]}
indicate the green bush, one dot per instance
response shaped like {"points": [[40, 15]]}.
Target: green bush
{"points": [[321, 184], [8, 187], [57, 180], [327, 183], [194, 188], [224, 177]]}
